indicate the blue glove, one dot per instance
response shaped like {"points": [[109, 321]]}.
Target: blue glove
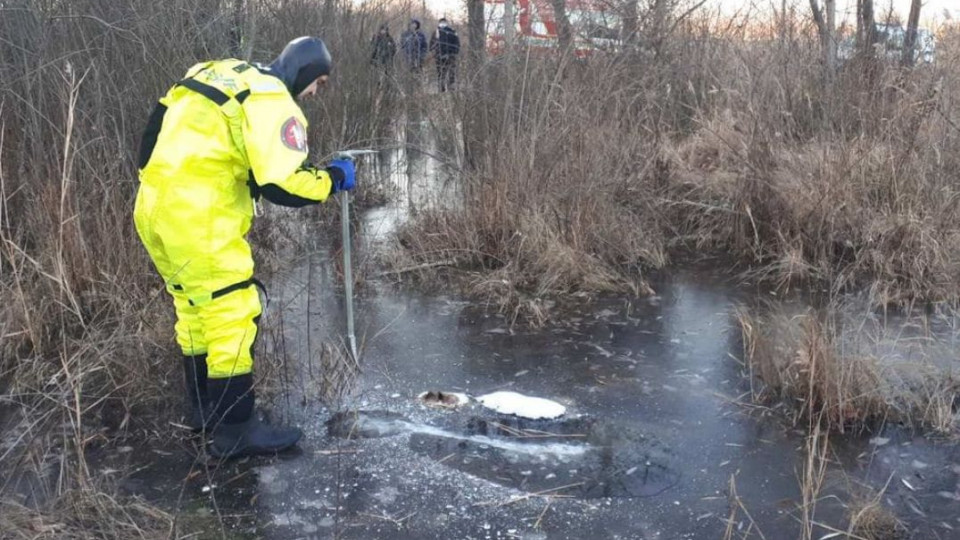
{"points": [[344, 174]]}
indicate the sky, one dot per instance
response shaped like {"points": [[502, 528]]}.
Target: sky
{"points": [[932, 11], [846, 9]]}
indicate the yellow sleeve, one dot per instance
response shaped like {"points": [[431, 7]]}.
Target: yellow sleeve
{"points": [[275, 136]]}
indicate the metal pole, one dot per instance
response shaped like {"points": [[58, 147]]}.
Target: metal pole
{"points": [[347, 265], [348, 270]]}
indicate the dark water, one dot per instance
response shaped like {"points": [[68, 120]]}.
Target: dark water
{"points": [[655, 435]]}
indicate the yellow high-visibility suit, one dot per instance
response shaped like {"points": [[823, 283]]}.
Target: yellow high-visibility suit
{"points": [[222, 136]]}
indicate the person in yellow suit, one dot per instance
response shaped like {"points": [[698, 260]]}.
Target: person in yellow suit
{"points": [[225, 135]]}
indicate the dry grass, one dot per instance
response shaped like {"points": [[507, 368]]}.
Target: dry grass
{"points": [[838, 378], [870, 520], [550, 206], [578, 177], [87, 357], [339, 371], [85, 514], [863, 212], [816, 450], [734, 524]]}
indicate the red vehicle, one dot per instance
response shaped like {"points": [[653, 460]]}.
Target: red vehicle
{"points": [[594, 23]]}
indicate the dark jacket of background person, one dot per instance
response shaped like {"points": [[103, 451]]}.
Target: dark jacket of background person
{"points": [[384, 48], [445, 45], [444, 42], [414, 45]]}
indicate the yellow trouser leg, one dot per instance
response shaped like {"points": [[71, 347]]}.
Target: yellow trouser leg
{"points": [[189, 326], [230, 328]]}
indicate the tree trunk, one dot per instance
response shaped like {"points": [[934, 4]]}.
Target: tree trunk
{"points": [[660, 19], [822, 29], [866, 34], [826, 20], [910, 41], [476, 33], [630, 17], [236, 28], [564, 30], [509, 23], [474, 139], [830, 49]]}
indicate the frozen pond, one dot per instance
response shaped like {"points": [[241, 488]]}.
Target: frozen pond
{"points": [[656, 428]]}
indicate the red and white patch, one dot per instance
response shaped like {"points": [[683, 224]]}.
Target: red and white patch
{"points": [[294, 135]]}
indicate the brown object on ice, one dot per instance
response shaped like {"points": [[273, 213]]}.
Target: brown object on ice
{"points": [[440, 399]]}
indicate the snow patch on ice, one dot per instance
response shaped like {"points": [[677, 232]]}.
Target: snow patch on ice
{"points": [[523, 406]]}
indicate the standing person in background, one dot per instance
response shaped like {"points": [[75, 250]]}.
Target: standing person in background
{"points": [[384, 49], [414, 45], [445, 45]]}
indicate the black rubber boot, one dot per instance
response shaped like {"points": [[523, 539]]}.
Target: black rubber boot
{"points": [[199, 410], [239, 432]]}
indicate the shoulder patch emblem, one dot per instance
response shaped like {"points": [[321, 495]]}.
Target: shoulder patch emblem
{"points": [[293, 135]]}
